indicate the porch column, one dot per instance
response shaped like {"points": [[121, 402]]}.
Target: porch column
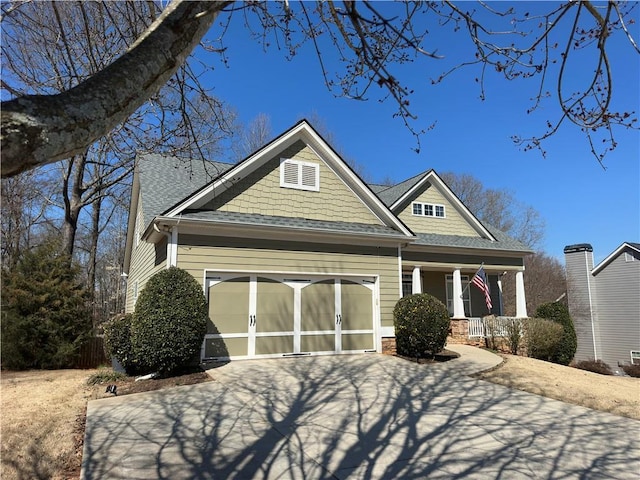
{"points": [[458, 304], [416, 280], [521, 302]]}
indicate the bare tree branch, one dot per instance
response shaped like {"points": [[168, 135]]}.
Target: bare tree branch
{"points": [[42, 129]]}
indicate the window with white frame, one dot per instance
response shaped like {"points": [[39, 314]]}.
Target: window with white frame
{"points": [[466, 295], [635, 357], [299, 175], [629, 257], [428, 210], [407, 284]]}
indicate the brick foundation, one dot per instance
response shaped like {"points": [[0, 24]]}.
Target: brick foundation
{"points": [[389, 346]]}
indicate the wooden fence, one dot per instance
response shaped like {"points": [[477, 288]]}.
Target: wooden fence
{"points": [[92, 354]]}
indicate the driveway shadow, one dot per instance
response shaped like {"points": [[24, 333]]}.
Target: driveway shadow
{"points": [[367, 416]]}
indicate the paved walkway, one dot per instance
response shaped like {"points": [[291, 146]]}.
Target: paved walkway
{"points": [[356, 417]]}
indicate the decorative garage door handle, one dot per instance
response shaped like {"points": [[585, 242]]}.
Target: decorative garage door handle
{"points": [[338, 319], [252, 320]]}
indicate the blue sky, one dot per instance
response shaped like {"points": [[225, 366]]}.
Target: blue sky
{"points": [[577, 198]]}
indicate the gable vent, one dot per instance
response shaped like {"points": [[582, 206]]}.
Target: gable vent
{"points": [[299, 175]]}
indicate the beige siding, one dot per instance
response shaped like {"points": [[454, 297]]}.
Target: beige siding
{"points": [[143, 264], [142, 268], [209, 254], [261, 193], [452, 224]]}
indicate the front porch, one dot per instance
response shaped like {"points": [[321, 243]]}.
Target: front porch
{"points": [[452, 286]]}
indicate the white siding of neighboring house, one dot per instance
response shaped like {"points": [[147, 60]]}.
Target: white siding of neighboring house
{"points": [[618, 313]]}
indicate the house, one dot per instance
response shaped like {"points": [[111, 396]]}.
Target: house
{"points": [[297, 255], [604, 302]]}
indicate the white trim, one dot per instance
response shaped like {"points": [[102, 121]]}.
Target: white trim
{"points": [[591, 319], [387, 332], [613, 255], [300, 165], [423, 210], [400, 293]]}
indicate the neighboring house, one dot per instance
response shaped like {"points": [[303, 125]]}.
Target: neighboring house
{"points": [[297, 255], [604, 303]]}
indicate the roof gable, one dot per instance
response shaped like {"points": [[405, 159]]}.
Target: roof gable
{"points": [[405, 193], [304, 140], [625, 246]]}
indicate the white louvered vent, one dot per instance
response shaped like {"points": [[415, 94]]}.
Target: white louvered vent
{"points": [[299, 175]]}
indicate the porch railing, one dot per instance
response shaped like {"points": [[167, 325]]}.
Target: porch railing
{"points": [[478, 327]]}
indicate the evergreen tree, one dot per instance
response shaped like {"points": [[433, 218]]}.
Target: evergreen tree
{"points": [[45, 316]]}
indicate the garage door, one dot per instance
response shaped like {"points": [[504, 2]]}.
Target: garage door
{"points": [[271, 316]]}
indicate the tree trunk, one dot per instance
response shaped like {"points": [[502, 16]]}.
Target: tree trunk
{"points": [[40, 129], [72, 194]]}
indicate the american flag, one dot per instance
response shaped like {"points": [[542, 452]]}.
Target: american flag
{"points": [[480, 281]]}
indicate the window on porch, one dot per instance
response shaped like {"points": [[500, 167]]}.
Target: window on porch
{"points": [[407, 282], [466, 295]]}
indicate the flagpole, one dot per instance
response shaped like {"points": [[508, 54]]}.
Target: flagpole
{"points": [[469, 282]]}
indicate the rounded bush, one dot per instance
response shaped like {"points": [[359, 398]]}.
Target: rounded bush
{"points": [[169, 322], [568, 342], [422, 324], [117, 341], [541, 338]]}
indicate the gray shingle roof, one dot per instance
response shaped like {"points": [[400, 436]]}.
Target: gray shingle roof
{"points": [[291, 222], [389, 195], [165, 181], [503, 241]]}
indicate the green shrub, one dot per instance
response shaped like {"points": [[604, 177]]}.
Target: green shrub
{"points": [[169, 322], [559, 313], [541, 338], [422, 324], [595, 366], [632, 370], [117, 342], [45, 315]]}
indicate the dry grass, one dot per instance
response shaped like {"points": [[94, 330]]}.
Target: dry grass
{"points": [[43, 418], [617, 395], [42, 423]]}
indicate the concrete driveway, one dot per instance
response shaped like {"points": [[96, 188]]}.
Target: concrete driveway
{"points": [[356, 417]]}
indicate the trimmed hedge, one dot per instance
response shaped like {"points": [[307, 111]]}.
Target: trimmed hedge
{"points": [[568, 342], [421, 324], [169, 322]]}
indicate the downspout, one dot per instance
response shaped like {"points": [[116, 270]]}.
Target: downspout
{"points": [[593, 328]]}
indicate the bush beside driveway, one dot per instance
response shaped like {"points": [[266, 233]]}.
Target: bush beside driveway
{"points": [[367, 416]]}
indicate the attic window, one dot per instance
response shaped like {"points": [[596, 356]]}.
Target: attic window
{"points": [[428, 210], [299, 175]]}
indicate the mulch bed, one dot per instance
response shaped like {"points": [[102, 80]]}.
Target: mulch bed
{"points": [[443, 356]]}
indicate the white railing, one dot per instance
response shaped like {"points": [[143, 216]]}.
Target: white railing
{"points": [[478, 326]]}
